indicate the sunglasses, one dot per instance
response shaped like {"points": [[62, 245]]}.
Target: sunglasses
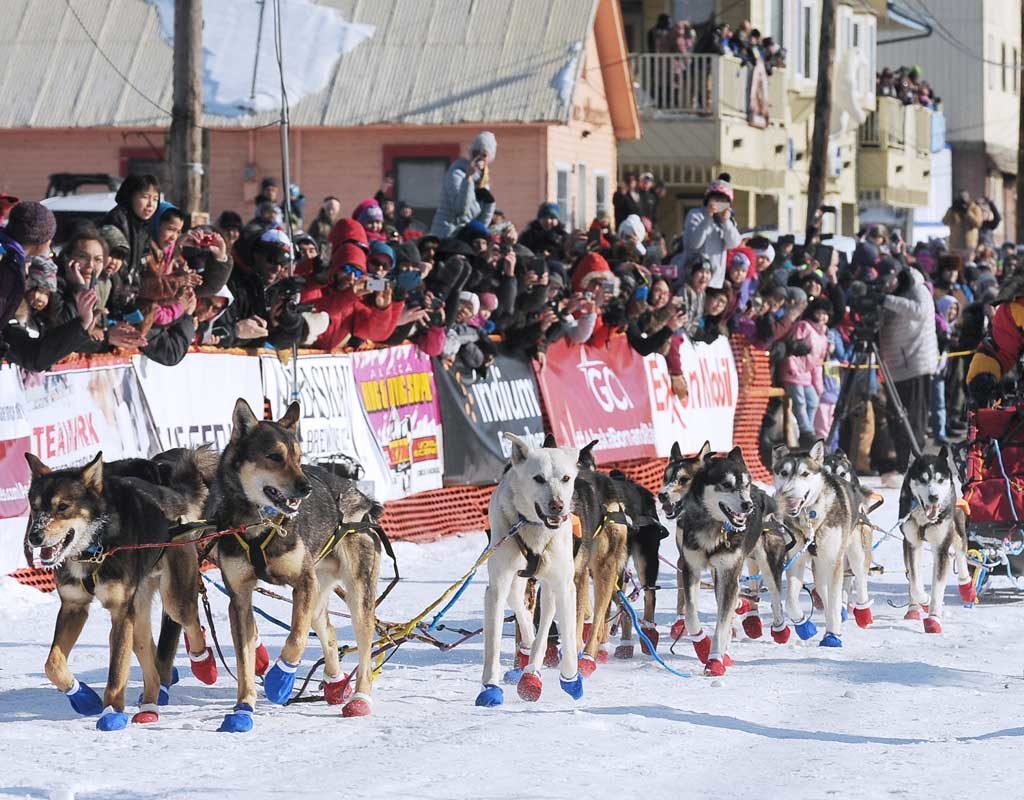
{"points": [[355, 272]]}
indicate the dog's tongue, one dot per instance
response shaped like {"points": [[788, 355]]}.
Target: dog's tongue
{"points": [[45, 553]]}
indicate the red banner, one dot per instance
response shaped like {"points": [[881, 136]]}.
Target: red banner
{"points": [[598, 393]]}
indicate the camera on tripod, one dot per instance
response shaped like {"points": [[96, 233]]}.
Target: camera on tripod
{"points": [[865, 302]]}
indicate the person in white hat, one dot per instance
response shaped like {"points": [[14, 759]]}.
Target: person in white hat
{"points": [[710, 231], [465, 192]]}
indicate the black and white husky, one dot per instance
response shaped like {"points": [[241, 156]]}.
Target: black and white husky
{"points": [[720, 521], [823, 514], [931, 515]]}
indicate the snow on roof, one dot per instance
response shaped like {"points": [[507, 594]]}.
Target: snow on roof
{"points": [[348, 62]]}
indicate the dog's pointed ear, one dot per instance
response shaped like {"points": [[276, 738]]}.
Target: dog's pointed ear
{"points": [[944, 454], [242, 418], [705, 450], [291, 416], [92, 473], [677, 452], [520, 448], [736, 454], [549, 441], [36, 467], [817, 452], [779, 452]]}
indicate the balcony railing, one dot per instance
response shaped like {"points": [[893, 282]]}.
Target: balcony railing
{"points": [[901, 127], [671, 84]]}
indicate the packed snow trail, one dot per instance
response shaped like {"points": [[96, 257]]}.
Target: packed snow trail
{"points": [[895, 712]]}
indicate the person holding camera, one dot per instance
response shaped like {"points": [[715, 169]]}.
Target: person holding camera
{"points": [[710, 231], [465, 192], [909, 347]]}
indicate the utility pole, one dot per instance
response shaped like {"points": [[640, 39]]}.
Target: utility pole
{"points": [[822, 112], [1020, 140], [186, 137]]}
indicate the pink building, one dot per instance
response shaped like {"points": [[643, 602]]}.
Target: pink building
{"points": [[551, 79]]}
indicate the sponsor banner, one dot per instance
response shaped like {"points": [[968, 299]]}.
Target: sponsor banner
{"points": [[598, 393], [398, 396], [74, 414], [477, 411], [707, 414], [15, 436], [191, 402]]}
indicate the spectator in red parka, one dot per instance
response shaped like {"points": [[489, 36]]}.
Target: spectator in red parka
{"points": [[354, 310]]}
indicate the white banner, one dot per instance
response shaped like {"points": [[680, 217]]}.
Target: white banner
{"points": [[13, 424], [192, 401], [74, 414], [707, 414]]}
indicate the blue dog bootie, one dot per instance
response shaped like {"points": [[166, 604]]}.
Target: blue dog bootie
{"points": [[844, 614], [83, 699], [163, 699], [572, 687], [111, 720], [238, 721], [174, 676], [490, 697], [805, 629], [279, 681], [830, 640], [512, 677]]}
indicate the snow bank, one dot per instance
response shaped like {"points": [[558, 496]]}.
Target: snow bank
{"points": [[315, 37]]}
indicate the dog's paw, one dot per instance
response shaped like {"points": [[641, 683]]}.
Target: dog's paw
{"points": [[678, 629], [624, 650], [512, 677], [932, 625], [715, 667], [552, 656], [146, 714], [728, 660], [529, 687], [83, 699], [862, 614], [262, 658], [162, 699], [204, 667], [361, 705], [968, 593], [914, 613], [650, 630], [752, 626], [490, 697], [337, 689], [806, 629], [111, 720], [238, 721], [781, 633], [572, 687], [587, 665], [279, 681], [830, 640], [602, 653], [702, 646]]}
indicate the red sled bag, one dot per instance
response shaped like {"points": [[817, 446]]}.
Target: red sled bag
{"points": [[994, 485]]}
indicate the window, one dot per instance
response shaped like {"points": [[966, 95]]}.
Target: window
{"points": [[581, 197], [600, 192], [776, 17], [418, 181], [562, 178], [806, 40]]}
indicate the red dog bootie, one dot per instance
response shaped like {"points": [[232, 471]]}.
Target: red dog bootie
{"points": [[967, 592], [819, 604], [651, 632], [715, 666], [678, 629], [337, 689], [625, 649], [916, 611], [932, 625], [551, 656], [262, 658], [863, 615], [146, 714], [530, 687], [702, 646], [781, 634], [522, 657], [587, 665], [752, 626], [602, 653], [361, 705], [204, 667]]}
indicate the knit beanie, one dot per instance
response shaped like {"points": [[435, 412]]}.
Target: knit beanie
{"points": [[488, 301], [42, 274], [31, 223]]}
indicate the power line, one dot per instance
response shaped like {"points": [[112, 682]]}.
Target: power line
{"points": [[950, 38]]}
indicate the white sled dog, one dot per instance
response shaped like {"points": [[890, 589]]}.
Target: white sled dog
{"points": [[531, 508]]}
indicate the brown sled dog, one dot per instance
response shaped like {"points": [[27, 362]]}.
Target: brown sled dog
{"points": [[304, 528], [79, 518]]}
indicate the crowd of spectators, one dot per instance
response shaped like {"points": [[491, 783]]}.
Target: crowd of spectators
{"points": [[745, 42], [907, 85], [144, 280]]}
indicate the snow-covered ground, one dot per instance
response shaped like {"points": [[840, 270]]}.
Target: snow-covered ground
{"points": [[896, 712]]}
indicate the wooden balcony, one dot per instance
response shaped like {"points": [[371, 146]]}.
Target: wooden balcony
{"points": [[894, 155]]}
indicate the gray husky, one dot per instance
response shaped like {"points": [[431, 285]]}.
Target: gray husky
{"points": [[931, 514]]}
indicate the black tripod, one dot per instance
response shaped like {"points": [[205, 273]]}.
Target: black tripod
{"points": [[866, 355]]}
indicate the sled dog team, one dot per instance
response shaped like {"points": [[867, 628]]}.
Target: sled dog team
{"points": [[122, 531]]}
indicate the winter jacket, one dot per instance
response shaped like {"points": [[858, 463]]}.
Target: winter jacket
{"points": [[461, 201], [964, 223], [624, 204], [168, 344], [136, 231], [351, 317], [12, 277], [37, 354], [538, 239], [702, 236], [805, 370], [907, 336], [251, 300]]}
